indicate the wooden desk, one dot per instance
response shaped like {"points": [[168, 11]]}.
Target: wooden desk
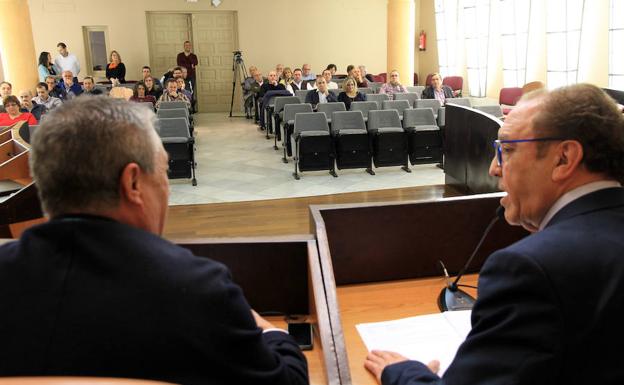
{"points": [[374, 302]]}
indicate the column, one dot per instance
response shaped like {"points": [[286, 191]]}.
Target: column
{"points": [[19, 60], [401, 39]]}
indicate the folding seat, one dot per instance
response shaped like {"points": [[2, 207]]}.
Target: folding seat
{"points": [[351, 142], [278, 114], [456, 83], [180, 145], [494, 110], [416, 89], [172, 105], [365, 107], [459, 101], [365, 90], [424, 138], [313, 144], [288, 124], [411, 97], [328, 108], [509, 96], [387, 139], [375, 86], [301, 94], [399, 105], [336, 92], [377, 98], [177, 113]]}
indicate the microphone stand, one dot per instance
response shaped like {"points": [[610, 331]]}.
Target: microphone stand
{"points": [[453, 298]]}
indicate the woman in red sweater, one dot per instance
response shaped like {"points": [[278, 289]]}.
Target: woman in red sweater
{"points": [[13, 114]]}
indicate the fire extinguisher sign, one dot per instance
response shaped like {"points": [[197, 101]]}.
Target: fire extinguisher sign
{"points": [[422, 41]]}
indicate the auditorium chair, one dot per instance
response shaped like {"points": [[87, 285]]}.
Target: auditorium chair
{"points": [[411, 97], [508, 97], [365, 107], [329, 108], [459, 101], [383, 77], [366, 90], [177, 113], [399, 105], [351, 142], [424, 138], [494, 110], [288, 124], [180, 145], [313, 144], [416, 89], [301, 94], [456, 83], [387, 140], [375, 86], [377, 98], [434, 104], [278, 114]]}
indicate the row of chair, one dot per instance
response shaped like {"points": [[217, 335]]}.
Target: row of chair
{"points": [[176, 129]]}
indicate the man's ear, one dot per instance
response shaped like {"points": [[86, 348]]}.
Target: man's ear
{"points": [[570, 156], [130, 184]]}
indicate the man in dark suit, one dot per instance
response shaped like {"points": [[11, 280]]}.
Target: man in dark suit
{"points": [[97, 292], [550, 307], [321, 94], [437, 90]]}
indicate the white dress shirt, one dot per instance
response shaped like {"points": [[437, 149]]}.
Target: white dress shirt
{"points": [[68, 63]]}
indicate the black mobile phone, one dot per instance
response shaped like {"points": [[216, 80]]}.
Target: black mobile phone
{"points": [[302, 333]]}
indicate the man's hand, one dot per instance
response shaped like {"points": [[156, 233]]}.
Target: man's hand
{"points": [[261, 322], [377, 360]]}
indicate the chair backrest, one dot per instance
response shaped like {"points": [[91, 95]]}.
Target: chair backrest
{"points": [[459, 101], [347, 120], [416, 89], [336, 91], [310, 121], [414, 117], [399, 105], [383, 77], [328, 108], [509, 96], [494, 110], [383, 118], [290, 110], [301, 94], [428, 81], [532, 86], [173, 128], [281, 101], [365, 107], [455, 82], [411, 97], [434, 104], [365, 90], [375, 86], [377, 98], [173, 113]]}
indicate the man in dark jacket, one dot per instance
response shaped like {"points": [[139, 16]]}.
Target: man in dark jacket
{"points": [[437, 90]]}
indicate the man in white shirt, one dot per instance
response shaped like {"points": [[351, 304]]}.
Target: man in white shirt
{"points": [[327, 75], [67, 61], [298, 83], [43, 97]]}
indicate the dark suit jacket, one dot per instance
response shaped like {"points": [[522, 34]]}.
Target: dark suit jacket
{"points": [[313, 98], [89, 296], [550, 307], [428, 92]]}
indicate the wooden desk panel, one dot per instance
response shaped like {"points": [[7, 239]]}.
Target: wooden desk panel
{"points": [[375, 302]]}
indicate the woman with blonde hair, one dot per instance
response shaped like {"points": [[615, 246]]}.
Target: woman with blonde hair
{"points": [[116, 70], [350, 93], [287, 77]]}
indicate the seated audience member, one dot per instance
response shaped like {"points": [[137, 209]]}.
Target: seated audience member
{"points": [[321, 94], [174, 73], [271, 84], [45, 99], [259, 80], [359, 79], [364, 73], [350, 93], [182, 88], [279, 70], [6, 89], [147, 71], [151, 88], [286, 77], [53, 90], [549, 304], [330, 84], [88, 85], [297, 82], [306, 73], [28, 105], [190, 86], [248, 94], [437, 90], [13, 114], [393, 86], [96, 287], [139, 95], [171, 94], [332, 68], [68, 88], [47, 67], [116, 70]]}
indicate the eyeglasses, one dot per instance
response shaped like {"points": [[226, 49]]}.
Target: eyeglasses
{"points": [[498, 146], [10, 105]]}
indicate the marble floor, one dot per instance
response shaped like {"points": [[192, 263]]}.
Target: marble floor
{"points": [[236, 163]]}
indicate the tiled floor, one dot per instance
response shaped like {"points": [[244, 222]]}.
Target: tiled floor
{"points": [[236, 163]]}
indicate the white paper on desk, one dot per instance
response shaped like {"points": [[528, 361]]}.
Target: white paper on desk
{"points": [[422, 338]]}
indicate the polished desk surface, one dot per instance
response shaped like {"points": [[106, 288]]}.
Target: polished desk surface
{"points": [[316, 366], [374, 302]]}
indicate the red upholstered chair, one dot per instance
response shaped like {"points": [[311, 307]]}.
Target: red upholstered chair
{"points": [[508, 98], [415, 79], [456, 83], [384, 76], [379, 79], [428, 81]]}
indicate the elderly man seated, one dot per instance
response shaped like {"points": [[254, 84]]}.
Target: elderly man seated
{"points": [[68, 89], [393, 86], [28, 105]]}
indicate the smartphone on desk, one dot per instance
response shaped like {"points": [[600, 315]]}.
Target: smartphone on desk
{"points": [[302, 333]]}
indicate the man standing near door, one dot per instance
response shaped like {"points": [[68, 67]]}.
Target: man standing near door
{"points": [[188, 60]]}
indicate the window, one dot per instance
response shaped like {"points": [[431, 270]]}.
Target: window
{"points": [[96, 49], [616, 45], [515, 19], [563, 36], [446, 29], [477, 32]]}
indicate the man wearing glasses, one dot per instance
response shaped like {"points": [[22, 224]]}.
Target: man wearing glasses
{"points": [[550, 306]]}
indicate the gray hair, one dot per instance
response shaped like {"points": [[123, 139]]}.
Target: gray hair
{"points": [[81, 148]]}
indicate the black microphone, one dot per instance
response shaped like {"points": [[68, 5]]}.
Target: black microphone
{"points": [[452, 297]]}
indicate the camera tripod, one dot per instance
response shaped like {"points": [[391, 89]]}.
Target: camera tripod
{"points": [[239, 75]]}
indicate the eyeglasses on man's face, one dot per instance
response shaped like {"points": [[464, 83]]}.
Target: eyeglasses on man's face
{"points": [[499, 150]]}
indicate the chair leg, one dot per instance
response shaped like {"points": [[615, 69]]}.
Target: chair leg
{"points": [[296, 160], [284, 159]]}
